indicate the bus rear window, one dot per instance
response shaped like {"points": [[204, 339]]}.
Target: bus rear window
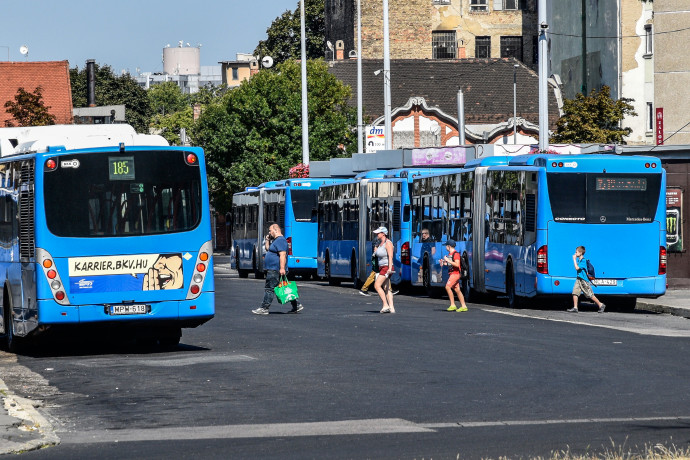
{"points": [[598, 198], [303, 202], [107, 195]]}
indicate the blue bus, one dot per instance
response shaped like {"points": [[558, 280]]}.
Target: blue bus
{"points": [[114, 235], [350, 211], [519, 220], [292, 204]]}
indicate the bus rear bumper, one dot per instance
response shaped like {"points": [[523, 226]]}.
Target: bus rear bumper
{"points": [[296, 263], [638, 287], [186, 313]]}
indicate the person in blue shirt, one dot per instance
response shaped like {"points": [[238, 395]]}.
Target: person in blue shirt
{"points": [[275, 263], [582, 281]]}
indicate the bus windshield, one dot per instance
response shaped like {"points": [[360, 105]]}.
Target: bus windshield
{"points": [[303, 202], [604, 198], [113, 194]]}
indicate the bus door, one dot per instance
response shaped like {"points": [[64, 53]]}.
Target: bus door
{"points": [[365, 236], [480, 224]]}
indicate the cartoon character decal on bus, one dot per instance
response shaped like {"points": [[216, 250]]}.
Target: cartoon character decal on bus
{"points": [[166, 273]]}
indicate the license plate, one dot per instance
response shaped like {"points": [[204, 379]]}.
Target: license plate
{"points": [[133, 309], [604, 282]]}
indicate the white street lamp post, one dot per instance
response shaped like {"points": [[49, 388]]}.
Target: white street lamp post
{"points": [[387, 80], [305, 113]]}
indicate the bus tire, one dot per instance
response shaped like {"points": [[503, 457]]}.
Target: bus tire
{"points": [[465, 284], [353, 272], [257, 274], [171, 338], [513, 300], [241, 273], [331, 281], [426, 278], [11, 342]]}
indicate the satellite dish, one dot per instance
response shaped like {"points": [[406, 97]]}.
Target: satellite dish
{"points": [[267, 62], [24, 50], [329, 45]]}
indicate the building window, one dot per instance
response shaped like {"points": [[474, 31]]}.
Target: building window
{"points": [[479, 5], [650, 116], [235, 73], [648, 50], [443, 45], [511, 47], [482, 47]]}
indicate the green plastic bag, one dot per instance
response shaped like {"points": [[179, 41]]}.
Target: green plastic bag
{"points": [[286, 290]]}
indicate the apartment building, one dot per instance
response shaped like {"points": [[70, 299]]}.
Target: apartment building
{"points": [[438, 29]]}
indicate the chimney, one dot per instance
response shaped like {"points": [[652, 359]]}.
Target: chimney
{"points": [[339, 50], [253, 67], [91, 83]]}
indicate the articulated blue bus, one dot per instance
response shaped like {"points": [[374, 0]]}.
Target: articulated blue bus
{"points": [[519, 220], [350, 211], [111, 235], [292, 204]]}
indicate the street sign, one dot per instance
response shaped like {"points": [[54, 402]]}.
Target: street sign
{"points": [[659, 126]]}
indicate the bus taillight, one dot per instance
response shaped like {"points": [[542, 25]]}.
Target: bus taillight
{"points": [[52, 275], [201, 268], [405, 253], [662, 260], [542, 260], [289, 242]]}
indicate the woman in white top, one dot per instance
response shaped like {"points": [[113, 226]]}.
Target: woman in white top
{"points": [[384, 253]]}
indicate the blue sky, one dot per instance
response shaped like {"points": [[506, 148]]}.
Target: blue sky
{"points": [[131, 34]]}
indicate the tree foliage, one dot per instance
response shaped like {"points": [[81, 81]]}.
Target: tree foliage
{"points": [[284, 35], [166, 98], [28, 109], [594, 119], [254, 133], [114, 90]]}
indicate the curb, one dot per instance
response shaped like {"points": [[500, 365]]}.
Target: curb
{"points": [[675, 311], [27, 419]]}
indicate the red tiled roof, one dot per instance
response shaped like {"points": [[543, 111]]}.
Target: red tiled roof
{"points": [[52, 77]]}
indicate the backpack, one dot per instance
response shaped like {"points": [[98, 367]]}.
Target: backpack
{"points": [[464, 269], [590, 270]]}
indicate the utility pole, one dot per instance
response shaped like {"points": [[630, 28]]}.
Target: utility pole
{"points": [[543, 75], [305, 112], [360, 128], [387, 80]]}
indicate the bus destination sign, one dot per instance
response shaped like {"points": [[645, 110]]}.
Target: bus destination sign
{"points": [[635, 184], [121, 168]]}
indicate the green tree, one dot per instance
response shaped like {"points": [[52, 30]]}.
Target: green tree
{"points": [[254, 133], [284, 35], [167, 97], [114, 90], [28, 109], [594, 119]]}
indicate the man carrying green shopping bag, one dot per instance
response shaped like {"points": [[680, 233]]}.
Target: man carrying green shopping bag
{"points": [[275, 264]]}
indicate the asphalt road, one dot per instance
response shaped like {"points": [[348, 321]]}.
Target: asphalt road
{"points": [[341, 380]]}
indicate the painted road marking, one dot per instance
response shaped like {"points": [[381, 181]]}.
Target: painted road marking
{"points": [[335, 428]]}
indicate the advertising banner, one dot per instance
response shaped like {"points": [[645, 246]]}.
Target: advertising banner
{"points": [[674, 219], [132, 272], [376, 139]]}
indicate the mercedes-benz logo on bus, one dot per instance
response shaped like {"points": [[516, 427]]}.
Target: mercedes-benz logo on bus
{"points": [[602, 219]]}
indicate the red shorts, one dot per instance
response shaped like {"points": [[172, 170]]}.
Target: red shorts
{"points": [[453, 280], [383, 270]]}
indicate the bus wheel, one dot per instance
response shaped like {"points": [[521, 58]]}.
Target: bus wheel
{"points": [[241, 273], [426, 278], [626, 304], [331, 281], [513, 299], [171, 339], [353, 272], [11, 342]]}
